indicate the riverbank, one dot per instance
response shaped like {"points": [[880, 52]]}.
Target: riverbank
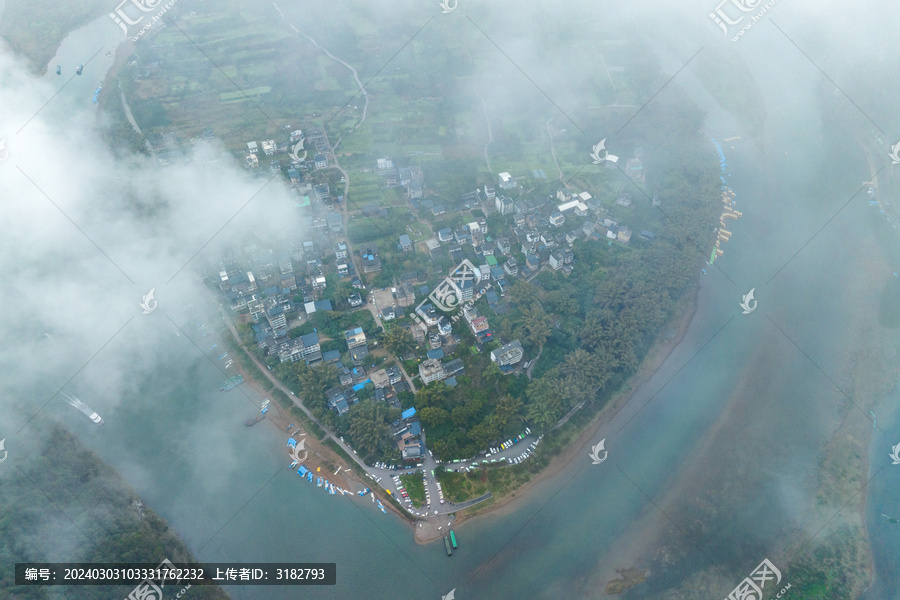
{"points": [[655, 358], [426, 531], [319, 455]]}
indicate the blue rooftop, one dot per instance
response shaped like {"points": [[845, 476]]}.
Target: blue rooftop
{"points": [[361, 385], [409, 412], [310, 339]]}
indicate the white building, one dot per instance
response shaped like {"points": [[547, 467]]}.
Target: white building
{"points": [[507, 181], [509, 354]]}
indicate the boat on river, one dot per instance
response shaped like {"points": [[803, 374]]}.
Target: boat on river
{"points": [[84, 408], [231, 383]]}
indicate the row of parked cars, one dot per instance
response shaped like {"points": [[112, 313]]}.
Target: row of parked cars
{"points": [[400, 489], [509, 443], [527, 453]]}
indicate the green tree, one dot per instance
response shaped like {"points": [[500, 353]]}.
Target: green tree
{"points": [[507, 412], [562, 302], [586, 372], [368, 428], [521, 293], [546, 400], [313, 381], [433, 394], [398, 340], [434, 416], [534, 328]]}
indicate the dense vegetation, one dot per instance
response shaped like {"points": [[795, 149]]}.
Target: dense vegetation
{"points": [[68, 484], [592, 328], [365, 425]]}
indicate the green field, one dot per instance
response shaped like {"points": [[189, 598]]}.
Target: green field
{"points": [[415, 487]]}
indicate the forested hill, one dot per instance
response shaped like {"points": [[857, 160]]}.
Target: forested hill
{"points": [[67, 497]]}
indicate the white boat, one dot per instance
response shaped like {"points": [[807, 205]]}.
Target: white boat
{"points": [[84, 408]]}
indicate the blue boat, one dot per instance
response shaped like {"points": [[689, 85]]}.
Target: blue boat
{"points": [[319, 482], [232, 383], [223, 356], [302, 471], [364, 492], [309, 476]]}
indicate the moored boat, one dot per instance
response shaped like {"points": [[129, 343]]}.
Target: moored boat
{"points": [[231, 382]]}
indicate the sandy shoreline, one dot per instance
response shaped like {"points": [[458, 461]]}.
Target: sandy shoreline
{"points": [[319, 454], [424, 532]]}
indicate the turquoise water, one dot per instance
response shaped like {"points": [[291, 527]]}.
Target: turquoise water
{"points": [[228, 493]]}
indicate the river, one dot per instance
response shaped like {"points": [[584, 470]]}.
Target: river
{"points": [[227, 492]]}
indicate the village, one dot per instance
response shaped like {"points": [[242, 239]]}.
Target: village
{"points": [[293, 294]]}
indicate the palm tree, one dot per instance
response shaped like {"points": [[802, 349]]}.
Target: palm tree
{"points": [[367, 427], [541, 416], [586, 372], [535, 327], [507, 411], [521, 292]]}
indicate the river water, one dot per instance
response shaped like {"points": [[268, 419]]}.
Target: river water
{"points": [[227, 492]]}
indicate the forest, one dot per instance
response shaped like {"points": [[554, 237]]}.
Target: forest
{"points": [[67, 497]]}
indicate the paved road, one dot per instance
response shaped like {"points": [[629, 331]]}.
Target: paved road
{"points": [[380, 477], [430, 464], [265, 370]]}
